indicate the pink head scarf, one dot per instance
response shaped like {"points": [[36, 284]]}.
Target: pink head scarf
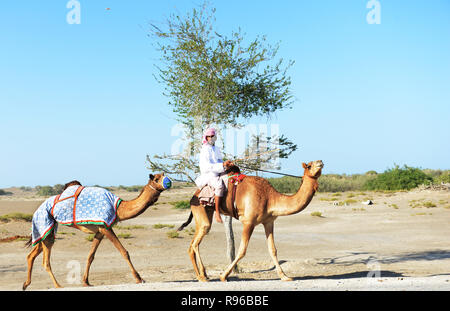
{"points": [[209, 132]]}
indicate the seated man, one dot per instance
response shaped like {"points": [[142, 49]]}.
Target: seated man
{"points": [[211, 167]]}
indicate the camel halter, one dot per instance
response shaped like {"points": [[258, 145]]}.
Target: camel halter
{"points": [[154, 188]]}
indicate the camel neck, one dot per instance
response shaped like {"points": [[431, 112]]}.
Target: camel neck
{"points": [[284, 205], [135, 207]]}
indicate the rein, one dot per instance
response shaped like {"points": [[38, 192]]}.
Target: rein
{"points": [[259, 170]]}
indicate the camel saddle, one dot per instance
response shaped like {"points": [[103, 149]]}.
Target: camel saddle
{"points": [[77, 205], [206, 195]]}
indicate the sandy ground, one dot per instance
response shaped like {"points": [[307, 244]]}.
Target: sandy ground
{"points": [[400, 247]]}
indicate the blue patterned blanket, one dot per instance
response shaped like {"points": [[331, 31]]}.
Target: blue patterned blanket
{"points": [[92, 206]]}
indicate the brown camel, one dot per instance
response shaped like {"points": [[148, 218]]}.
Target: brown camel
{"points": [[126, 210], [257, 203]]}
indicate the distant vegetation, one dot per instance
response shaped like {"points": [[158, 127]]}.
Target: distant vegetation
{"points": [[396, 178], [3, 192], [49, 190], [58, 188], [327, 183], [134, 188]]}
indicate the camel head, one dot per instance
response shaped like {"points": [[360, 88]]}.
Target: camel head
{"points": [[160, 182], [313, 169], [233, 170]]}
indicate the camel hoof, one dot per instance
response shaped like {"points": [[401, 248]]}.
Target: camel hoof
{"points": [[86, 284], [141, 281], [223, 279], [287, 279], [203, 279], [24, 286]]}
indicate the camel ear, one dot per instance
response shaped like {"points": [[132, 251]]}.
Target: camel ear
{"points": [[304, 165], [151, 176]]}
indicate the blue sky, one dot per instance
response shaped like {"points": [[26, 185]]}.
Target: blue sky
{"points": [[80, 101]]}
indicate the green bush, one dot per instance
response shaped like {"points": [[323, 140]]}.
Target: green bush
{"points": [[181, 204], [16, 216], [397, 178], [442, 178], [46, 190]]}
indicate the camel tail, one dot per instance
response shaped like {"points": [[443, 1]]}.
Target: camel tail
{"points": [[186, 223], [29, 242]]}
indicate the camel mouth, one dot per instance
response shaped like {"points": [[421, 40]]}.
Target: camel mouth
{"points": [[320, 164]]}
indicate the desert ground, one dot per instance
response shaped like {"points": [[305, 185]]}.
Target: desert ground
{"points": [[401, 242]]}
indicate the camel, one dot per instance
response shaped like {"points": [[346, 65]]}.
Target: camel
{"points": [[257, 202], [126, 210]]}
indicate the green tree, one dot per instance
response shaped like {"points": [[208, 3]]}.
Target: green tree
{"points": [[212, 78], [215, 76]]}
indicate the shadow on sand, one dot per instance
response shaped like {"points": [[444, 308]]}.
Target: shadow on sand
{"points": [[366, 258], [353, 258]]}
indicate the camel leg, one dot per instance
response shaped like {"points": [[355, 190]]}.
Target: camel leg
{"points": [[30, 261], [203, 220], [268, 227], [246, 234], [109, 233], [47, 245], [95, 243]]}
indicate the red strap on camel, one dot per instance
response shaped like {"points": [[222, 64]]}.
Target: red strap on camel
{"points": [[235, 180], [57, 200]]}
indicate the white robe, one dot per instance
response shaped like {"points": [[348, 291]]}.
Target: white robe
{"points": [[211, 166]]}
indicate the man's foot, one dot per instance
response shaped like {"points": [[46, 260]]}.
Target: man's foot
{"points": [[218, 218]]}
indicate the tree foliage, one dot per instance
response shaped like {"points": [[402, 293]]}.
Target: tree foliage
{"points": [[218, 77]]}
